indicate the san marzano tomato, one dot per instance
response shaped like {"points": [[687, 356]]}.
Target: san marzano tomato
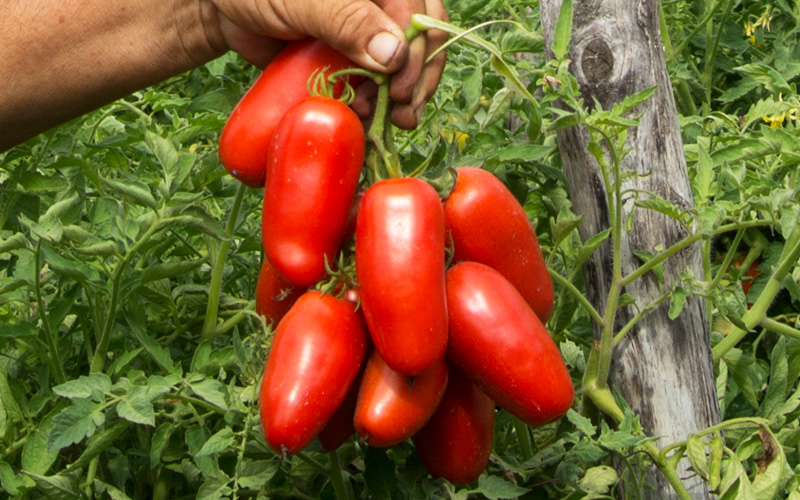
{"points": [[488, 225], [501, 345], [315, 356], [314, 167], [274, 295], [400, 269], [246, 136]]}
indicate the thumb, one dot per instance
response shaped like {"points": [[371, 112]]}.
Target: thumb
{"points": [[360, 30]]}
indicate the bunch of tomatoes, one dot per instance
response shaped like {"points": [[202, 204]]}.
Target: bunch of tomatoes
{"points": [[443, 320]]}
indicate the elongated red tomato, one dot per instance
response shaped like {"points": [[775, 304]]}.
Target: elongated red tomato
{"points": [[488, 225], [246, 137], [400, 270], [314, 167], [498, 341], [391, 407], [274, 295], [315, 356], [456, 443]]}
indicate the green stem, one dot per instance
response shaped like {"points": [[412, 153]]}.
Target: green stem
{"points": [[52, 342], [524, 439], [726, 264], [641, 314], [781, 328], [342, 493], [756, 314], [377, 136], [578, 295], [215, 287], [314, 464]]}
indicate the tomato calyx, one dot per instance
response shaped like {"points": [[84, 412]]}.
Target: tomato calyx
{"points": [[341, 281]]}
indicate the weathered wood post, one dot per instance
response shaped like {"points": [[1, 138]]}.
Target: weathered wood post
{"points": [[664, 368]]}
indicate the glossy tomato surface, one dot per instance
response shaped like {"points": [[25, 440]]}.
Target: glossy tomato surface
{"points": [[488, 225], [314, 168], [456, 443], [391, 407], [498, 341], [316, 354], [247, 134], [400, 265], [274, 295]]}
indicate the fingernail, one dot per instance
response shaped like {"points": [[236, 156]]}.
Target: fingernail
{"points": [[382, 47]]}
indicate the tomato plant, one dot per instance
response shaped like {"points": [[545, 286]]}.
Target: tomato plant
{"points": [[456, 443], [400, 268], [391, 407], [314, 167], [500, 343], [488, 225], [245, 139], [315, 356]]}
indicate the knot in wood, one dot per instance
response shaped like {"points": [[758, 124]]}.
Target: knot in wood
{"points": [[597, 61]]}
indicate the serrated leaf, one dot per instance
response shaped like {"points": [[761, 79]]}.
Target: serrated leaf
{"points": [[214, 488], [563, 32], [777, 388], [112, 492], [495, 488], [137, 407], [134, 190], [36, 458], [59, 486], [212, 391], [98, 443], [599, 480], [73, 424], [704, 176], [16, 241], [9, 480], [739, 366], [696, 451], [84, 387], [212, 228], [632, 101], [771, 466], [166, 270], [218, 443], [677, 301], [746, 149], [498, 109], [254, 474], [582, 423], [159, 442], [591, 246], [524, 153]]}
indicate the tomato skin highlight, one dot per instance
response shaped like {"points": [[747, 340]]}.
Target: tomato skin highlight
{"points": [[391, 407], [400, 269], [488, 225], [456, 443], [498, 341], [274, 295], [245, 138], [316, 354], [314, 168]]}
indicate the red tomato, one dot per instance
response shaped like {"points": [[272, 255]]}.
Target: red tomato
{"points": [[340, 426], [457, 441], [315, 356], [274, 295], [500, 343], [391, 407], [245, 139], [488, 225], [314, 167], [400, 269]]}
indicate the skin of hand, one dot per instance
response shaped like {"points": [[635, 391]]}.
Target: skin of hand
{"points": [[63, 58]]}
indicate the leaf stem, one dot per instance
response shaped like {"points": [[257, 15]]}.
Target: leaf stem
{"points": [[52, 342], [342, 493], [215, 287]]}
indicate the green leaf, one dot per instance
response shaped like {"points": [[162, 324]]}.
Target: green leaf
{"points": [[159, 442], [677, 301], [214, 488], [85, 386], [212, 391], [746, 149], [166, 270], [632, 101], [696, 451], [112, 492], [16, 241], [739, 366], [254, 474], [137, 407], [60, 486], [778, 387], [771, 466], [134, 190], [591, 246], [74, 423], [218, 443], [704, 177], [495, 488], [563, 33], [599, 480], [524, 153], [8, 403], [36, 458], [99, 443], [582, 423], [9, 480]]}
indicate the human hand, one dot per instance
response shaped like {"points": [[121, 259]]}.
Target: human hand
{"points": [[370, 33]]}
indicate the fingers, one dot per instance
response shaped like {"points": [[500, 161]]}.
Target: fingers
{"points": [[413, 87]]}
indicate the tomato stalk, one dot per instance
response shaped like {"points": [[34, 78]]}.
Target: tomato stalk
{"points": [[379, 135], [758, 312], [337, 479], [52, 342], [214, 288]]}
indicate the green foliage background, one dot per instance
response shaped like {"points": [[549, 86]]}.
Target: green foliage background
{"points": [[114, 382]]}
